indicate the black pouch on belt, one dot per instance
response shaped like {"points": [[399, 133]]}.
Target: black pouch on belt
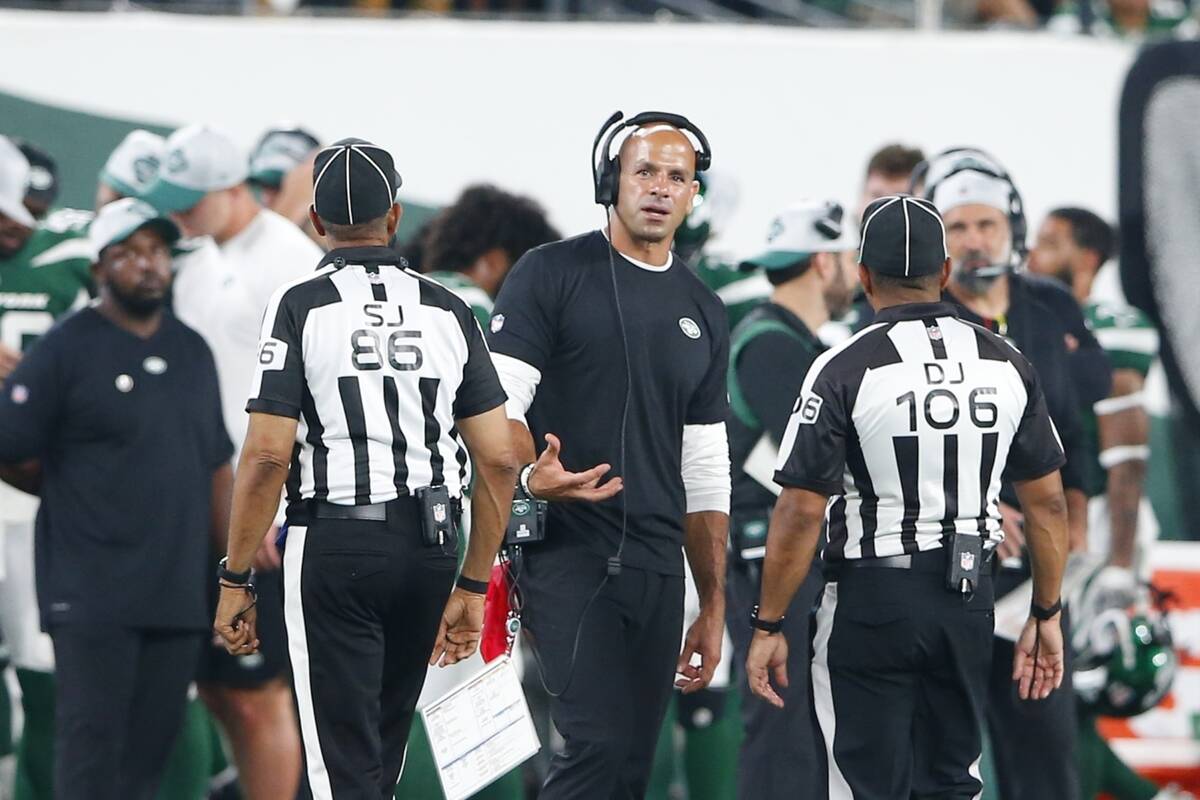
{"points": [[964, 554], [437, 515]]}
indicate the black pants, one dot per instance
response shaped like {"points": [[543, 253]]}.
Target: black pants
{"points": [[780, 753], [120, 700], [899, 674], [614, 701], [1033, 741], [363, 601]]}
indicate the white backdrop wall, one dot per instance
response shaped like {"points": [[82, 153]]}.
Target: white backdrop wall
{"points": [[790, 112]]}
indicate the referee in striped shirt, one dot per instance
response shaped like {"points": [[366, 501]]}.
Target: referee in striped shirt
{"points": [[372, 387], [910, 427]]}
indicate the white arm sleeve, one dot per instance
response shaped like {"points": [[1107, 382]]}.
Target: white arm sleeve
{"points": [[705, 469], [519, 381]]}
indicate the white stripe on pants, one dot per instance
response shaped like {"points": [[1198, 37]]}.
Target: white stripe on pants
{"points": [[839, 788], [293, 610]]}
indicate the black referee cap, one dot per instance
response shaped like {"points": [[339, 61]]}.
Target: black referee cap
{"points": [[354, 182], [902, 236]]}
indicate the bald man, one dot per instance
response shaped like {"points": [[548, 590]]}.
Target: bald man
{"points": [[613, 355]]}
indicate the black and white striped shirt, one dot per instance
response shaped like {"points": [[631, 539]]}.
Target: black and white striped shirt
{"points": [[376, 362], [913, 424]]}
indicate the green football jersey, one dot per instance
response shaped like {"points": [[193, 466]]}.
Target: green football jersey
{"points": [[1131, 342], [469, 292], [48, 277], [739, 290]]}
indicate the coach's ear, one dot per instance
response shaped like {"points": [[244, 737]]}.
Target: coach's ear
{"points": [[316, 221], [945, 274]]}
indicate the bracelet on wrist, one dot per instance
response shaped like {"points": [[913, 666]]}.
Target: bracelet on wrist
{"points": [[764, 625], [1044, 614], [523, 479], [229, 576], [471, 585]]}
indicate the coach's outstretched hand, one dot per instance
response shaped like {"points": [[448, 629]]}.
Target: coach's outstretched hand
{"points": [[236, 621], [550, 480], [1038, 663], [460, 629]]}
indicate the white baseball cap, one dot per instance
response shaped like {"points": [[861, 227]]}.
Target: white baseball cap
{"points": [[133, 165], [804, 228], [14, 183], [119, 220], [972, 188], [198, 160]]}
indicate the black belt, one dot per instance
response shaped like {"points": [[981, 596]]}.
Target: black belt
{"points": [[375, 512], [927, 561]]}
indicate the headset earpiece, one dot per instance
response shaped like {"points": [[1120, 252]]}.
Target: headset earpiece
{"points": [[606, 169]]}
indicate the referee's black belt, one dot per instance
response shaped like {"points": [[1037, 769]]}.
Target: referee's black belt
{"points": [[927, 561], [400, 508]]}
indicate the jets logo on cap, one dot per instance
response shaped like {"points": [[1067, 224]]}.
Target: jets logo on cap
{"points": [[776, 230], [176, 162], [145, 168]]}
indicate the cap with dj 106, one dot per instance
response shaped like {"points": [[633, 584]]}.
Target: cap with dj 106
{"points": [[354, 182], [902, 236]]}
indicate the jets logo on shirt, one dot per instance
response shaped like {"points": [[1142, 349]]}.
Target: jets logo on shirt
{"points": [[689, 327]]}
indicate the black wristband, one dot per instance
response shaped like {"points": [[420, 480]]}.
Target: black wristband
{"points": [[1043, 614], [225, 574], [472, 586], [763, 625]]}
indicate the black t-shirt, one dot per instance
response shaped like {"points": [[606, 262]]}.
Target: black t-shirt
{"points": [[556, 313], [129, 432], [772, 351]]}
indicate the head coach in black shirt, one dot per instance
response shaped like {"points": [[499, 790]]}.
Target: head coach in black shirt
{"points": [[120, 409], [899, 441], [374, 385], [613, 355]]}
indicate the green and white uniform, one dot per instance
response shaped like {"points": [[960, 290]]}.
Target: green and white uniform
{"points": [[469, 292], [47, 278], [740, 290], [1131, 342]]}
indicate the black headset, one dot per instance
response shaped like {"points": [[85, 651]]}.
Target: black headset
{"points": [[606, 169], [973, 159]]}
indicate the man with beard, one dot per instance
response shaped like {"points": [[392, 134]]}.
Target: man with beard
{"points": [[985, 234], [809, 259], [117, 410]]}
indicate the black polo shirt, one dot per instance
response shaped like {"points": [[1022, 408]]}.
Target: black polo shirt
{"points": [[129, 432], [556, 313]]}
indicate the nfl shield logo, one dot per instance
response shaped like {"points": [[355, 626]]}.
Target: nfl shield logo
{"points": [[935, 333], [966, 561], [439, 512]]}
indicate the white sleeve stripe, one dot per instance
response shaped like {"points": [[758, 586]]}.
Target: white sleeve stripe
{"points": [[519, 381], [1115, 405], [1119, 455], [705, 468], [1143, 341]]}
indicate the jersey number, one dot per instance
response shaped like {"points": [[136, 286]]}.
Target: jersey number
{"points": [[367, 350], [983, 413], [15, 326]]}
